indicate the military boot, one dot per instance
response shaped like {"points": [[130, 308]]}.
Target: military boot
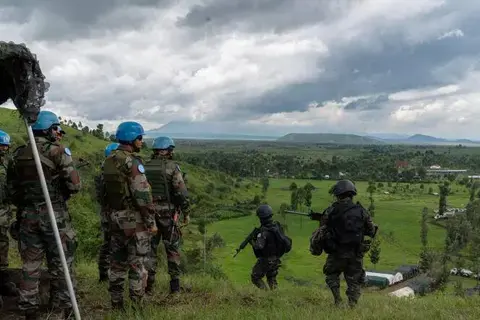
{"points": [[67, 314], [7, 288], [118, 306], [32, 314], [272, 283], [352, 302], [336, 296], [103, 278], [174, 286], [150, 286]]}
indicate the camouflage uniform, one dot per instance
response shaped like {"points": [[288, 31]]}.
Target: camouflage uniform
{"points": [[104, 254], [163, 173], [345, 258], [268, 263], [36, 237], [129, 196], [6, 287], [5, 216]]}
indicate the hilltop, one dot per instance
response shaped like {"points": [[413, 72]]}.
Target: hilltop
{"points": [[213, 193], [331, 138]]}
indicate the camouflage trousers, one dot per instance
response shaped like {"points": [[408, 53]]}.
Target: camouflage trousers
{"points": [[266, 267], [36, 240], [4, 241], [352, 268], [171, 241], [104, 254], [129, 245]]}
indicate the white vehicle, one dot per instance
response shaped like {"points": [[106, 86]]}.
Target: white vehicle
{"points": [[466, 273]]}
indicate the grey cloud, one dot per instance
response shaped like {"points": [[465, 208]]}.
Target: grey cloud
{"points": [[61, 19]]}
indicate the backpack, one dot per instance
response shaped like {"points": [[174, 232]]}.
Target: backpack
{"points": [[346, 224], [284, 243], [316, 242]]}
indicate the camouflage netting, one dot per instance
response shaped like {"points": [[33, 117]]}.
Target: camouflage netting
{"points": [[21, 80]]}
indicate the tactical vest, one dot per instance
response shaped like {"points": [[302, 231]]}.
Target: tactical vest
{"points": [[116, 181], [155, 170], [27, 175], [347, 223]]}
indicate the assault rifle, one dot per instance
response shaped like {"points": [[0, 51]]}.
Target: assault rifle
{"points": [[317, 216], [247, 240]]}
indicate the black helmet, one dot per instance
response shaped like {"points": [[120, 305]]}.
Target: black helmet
{"points": [[264, 211], [344, 186]]}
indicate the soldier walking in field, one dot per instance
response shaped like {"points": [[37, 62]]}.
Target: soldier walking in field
{"points": [[269, 246], [128, 195], [343, 240], [36, 236], [170, 196]]}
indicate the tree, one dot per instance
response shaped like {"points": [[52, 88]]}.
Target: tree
{"points": [[444, 192], [292, 186], [424, 228], [265, 185], [374, 253]]}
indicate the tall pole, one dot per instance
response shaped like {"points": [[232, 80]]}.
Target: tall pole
{"points": [[53, 221]]}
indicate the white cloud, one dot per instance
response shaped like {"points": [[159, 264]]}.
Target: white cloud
{"points": [[457, 33], [158, 72]]}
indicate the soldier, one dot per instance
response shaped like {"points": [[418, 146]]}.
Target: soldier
{"points": [[128, 196], [170, 196], [345, 226], [269, 246], [7, 288], [36, 236], [104, 255]]}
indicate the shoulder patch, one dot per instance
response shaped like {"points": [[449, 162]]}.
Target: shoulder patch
{"points": [[68, 152], [140, 168]]}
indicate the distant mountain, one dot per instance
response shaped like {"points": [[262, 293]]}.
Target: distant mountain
{"points": [[337, 138], [237, 130], [424, 138]]}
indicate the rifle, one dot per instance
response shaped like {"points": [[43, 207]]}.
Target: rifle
{"points": [[247, 240], [317, 216]]}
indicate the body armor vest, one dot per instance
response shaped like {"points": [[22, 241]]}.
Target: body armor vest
{"points": [[155, 170], [27, 175], [117, 192]]}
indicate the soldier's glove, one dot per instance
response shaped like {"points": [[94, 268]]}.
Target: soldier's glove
{"points": [[365, 246]]}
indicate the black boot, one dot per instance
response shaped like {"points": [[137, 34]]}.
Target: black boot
{"points": [[336, 296], [272, 283], [103, 278], [7, 288], [68, 314], [150, 286], [175, 286], [118, 306], [32, 314]]}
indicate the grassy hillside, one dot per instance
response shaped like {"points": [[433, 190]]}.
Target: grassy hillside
{"points": [[332, 138], [398, 216], [214, 194]]}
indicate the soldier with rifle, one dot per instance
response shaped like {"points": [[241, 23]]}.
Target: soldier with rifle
{"points": [[341, 236], [269, 244], [170, 196]]}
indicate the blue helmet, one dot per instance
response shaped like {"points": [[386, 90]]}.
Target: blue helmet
{"points": [[4, 138], [110, 148], [163, 143], [129, 131], [45, 120]]}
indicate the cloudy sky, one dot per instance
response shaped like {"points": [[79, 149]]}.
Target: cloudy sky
{"points": [[357, 66]]}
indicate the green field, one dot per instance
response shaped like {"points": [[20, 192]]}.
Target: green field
{"points": [[395, 214]]}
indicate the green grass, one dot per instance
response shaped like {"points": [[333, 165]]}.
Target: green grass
{"points": [[397, 214]]}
